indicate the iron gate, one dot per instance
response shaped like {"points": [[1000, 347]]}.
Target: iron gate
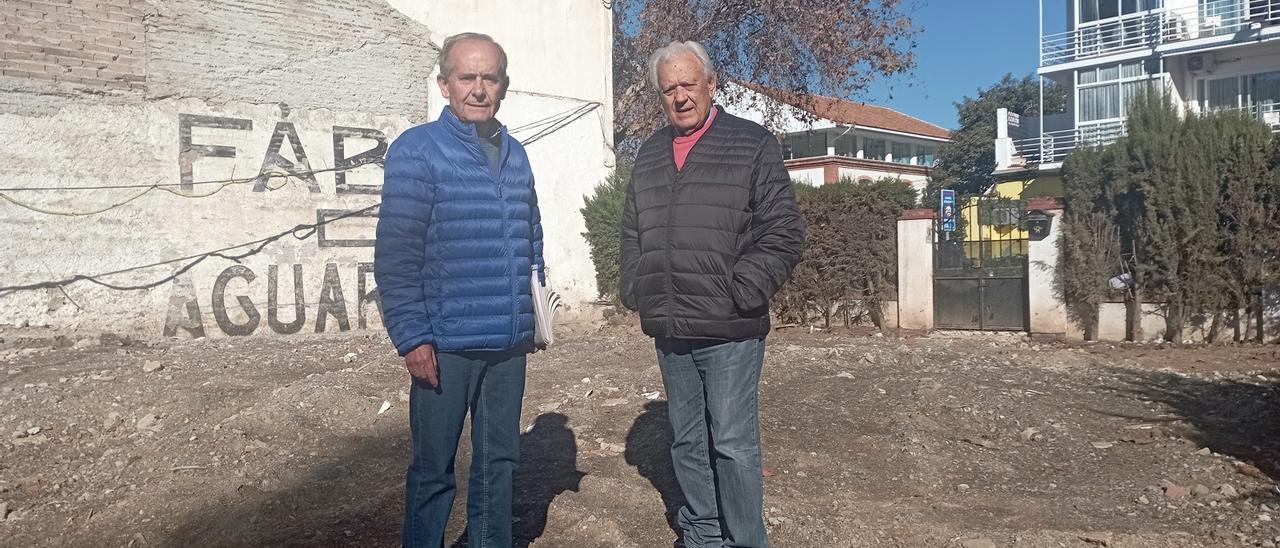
{"points": [[980, 268]]}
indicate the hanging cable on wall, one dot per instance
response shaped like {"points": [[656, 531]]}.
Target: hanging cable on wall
{"points": [[165, 187], [300, 232]]}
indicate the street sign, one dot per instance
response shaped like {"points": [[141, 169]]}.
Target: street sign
{"points": [[948, 209]]}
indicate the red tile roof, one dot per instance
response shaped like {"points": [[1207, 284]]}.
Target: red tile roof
{"points": [[852, 113]]}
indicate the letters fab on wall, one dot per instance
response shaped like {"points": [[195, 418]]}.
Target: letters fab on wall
{"points": [[184, 310]]}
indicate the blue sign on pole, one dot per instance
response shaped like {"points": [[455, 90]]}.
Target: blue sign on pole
{"points": [[948, 210]]}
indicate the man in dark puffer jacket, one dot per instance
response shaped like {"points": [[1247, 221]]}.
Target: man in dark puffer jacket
{"points": [[459, 233], [710, 232]]}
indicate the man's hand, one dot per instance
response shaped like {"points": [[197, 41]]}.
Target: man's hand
{"points": [[421, 363]]}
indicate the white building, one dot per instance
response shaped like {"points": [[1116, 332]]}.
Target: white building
{"points": [[159, 130], [850, 139], [1211, 54]]}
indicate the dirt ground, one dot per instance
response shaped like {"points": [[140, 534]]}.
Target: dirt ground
{"points": [[949, 439]]}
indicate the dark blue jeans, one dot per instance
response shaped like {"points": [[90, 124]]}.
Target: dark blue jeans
{"points": [[490, 385], [712, 389]]}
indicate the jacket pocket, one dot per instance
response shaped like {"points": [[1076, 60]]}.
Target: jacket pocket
{"points": [[744, 301]]}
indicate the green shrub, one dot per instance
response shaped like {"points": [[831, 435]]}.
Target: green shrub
{"points": [[1183, 205], [851, 250], [603, 215]]}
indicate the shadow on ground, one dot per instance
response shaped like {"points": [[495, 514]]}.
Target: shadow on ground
{"points": [[1239, 417], [356, 497], [649, 450], [548, 467]]}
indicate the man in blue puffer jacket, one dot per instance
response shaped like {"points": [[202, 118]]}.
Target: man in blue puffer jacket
{"points": [[458, 236]]}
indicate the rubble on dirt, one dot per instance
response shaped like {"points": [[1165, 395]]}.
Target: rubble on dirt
{"points": [[945, 439]]}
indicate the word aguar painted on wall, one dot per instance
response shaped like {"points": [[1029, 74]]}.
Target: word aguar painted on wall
{"points": [[184, 308]]}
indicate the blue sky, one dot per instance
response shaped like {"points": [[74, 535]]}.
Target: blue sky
{"points": [[965, 45]]}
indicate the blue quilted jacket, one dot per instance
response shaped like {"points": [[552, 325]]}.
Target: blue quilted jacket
{"points": [[456, 241]]}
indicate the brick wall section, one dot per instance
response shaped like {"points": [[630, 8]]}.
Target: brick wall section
{"points": [[95, 43], [352, 55]]}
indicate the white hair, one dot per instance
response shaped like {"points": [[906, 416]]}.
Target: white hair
{"points": [[677, 48], [446, 52]]}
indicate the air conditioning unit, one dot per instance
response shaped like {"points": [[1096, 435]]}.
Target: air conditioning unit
{"points": [[1199, 63]]}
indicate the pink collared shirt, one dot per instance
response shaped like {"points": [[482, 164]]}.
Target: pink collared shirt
{"points": [[684, 143]]}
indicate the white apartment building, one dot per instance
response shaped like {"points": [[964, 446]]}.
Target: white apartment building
{"points": [[850, 139], [1211, 54]]}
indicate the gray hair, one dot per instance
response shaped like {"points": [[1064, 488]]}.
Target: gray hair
{"points": [[677, 48], [446, 51]]}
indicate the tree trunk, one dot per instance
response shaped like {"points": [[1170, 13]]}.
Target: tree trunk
{"points": [[1244, 318], [1091, 319], [1257, 316], [1215, 326], [1173, 321], [1133, 316], [1236, 318], [874, 308]]}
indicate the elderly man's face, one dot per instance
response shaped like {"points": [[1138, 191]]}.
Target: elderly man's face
{"points": [[686, 91], [476, 88]]}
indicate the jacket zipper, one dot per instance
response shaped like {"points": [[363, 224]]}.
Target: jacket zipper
{"points": [[506, 245], [671, 289], [502, 210]]}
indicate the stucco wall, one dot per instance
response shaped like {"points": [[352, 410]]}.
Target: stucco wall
{"points": [[917, 182], [915, 273], [810, 176], [1048, 310], [229, 90]]}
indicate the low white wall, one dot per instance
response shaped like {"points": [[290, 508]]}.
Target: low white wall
{"points": [[917, 182], [811, 176], [1112, 321]]}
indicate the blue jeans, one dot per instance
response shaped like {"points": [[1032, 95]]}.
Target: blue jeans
{"points": [[490, 385], [712, 389]]}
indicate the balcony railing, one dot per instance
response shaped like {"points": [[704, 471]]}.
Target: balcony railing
{"points": [[1053, 147], [1128, 33], [1151, 29], [1268, 113], [1218, 18]]}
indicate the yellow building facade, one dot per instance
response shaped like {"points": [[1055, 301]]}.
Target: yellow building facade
{"points": [[992, 224]]}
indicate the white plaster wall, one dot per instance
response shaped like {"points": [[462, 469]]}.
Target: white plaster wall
{"points": [[81, 139], [1111, 323], [915, 274], [1048, 310], [917, 182], [559, 58], [891, 314], [811, 176], [814, 176], [87, 144], [554, 47]]}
